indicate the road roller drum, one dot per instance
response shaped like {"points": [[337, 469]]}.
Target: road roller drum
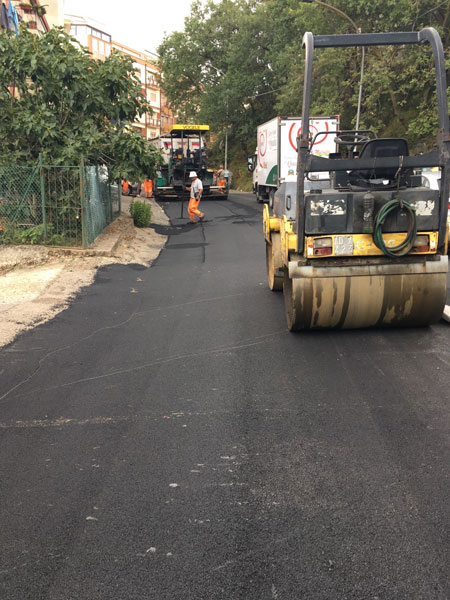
{"points": [[367, 297]]}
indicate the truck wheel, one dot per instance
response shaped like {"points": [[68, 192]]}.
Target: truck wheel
{"points": [[271, 198], [259, 198]]}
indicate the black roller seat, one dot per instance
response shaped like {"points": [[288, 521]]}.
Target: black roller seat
{"points": [[380, 148]]}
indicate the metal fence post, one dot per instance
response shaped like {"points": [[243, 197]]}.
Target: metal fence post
{"points": [[111, 212], [44, 208], [84, 233]]}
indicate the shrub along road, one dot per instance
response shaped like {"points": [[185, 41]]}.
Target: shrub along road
{"points": [[165, 437]]}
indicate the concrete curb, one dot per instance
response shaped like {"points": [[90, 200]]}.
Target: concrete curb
{"points": [[106, 244]]}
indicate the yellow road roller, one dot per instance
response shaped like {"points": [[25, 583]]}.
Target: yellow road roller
{"points": [[367, 246]]}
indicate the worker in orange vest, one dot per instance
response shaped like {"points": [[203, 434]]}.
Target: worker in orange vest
{"points": [[195, 197], [148, 188], [221, 181], [125, 187]]}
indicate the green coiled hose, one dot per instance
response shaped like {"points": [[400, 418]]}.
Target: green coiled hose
{"points": [[408, 242]]}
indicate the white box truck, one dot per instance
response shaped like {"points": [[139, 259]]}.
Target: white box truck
{"points": [[276, 155]]}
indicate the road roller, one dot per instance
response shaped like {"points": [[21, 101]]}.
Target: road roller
{"points": [[366, 246]]}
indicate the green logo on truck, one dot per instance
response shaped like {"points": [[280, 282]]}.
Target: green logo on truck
{"points": [[272, 177]]}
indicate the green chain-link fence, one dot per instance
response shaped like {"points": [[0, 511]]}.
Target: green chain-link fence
{"points": [[64, 206]]}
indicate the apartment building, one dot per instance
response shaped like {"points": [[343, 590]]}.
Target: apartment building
{"points": [[168, 118], [92, 34], [147, 70]]}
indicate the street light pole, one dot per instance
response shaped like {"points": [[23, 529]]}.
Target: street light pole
{"points": [[226, 136], [358, 30], [337, 11], [226, 150]]}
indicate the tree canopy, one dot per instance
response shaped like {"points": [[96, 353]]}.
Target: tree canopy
{"points": [[59, 102], [239, 62]]}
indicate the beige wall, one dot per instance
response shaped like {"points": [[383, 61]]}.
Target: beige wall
{"points": [[55, 12], [153, 97]]}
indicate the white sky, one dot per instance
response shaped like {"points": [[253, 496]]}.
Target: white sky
{"points": [[137, 23]]}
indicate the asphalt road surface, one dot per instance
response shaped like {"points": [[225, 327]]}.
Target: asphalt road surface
{"points": [[166, 438]]}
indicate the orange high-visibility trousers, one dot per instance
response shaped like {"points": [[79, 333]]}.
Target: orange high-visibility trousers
{"points": [[193, 209], [148, 188]]}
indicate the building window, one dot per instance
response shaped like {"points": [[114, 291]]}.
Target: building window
{"points": [[152, 97], [95, 45]]}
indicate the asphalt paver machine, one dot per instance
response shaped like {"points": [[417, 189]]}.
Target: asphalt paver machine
{"points": [[184, 151], [368, 246]]}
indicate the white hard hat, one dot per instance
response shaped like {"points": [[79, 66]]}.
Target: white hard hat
{"points": [[192, 174]]}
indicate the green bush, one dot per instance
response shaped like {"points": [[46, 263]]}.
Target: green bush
{"points": [[141, 213], [13, 234]]}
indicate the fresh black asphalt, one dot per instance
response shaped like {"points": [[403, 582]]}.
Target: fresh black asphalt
{"points": [[166, 438]]}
